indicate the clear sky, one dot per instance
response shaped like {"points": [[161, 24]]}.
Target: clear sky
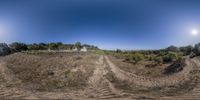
{"points": [[109, 24]]}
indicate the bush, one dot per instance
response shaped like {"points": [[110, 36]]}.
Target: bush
{"points": [[159, 60], [137, 57], [171, 57]]}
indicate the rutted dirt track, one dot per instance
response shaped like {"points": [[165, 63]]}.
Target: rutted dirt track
{"points": [[100, 85]]}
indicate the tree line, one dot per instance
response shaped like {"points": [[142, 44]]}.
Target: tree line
{"points": [[18, 47]]}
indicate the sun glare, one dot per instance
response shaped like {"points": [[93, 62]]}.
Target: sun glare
{"points": [[194, 32]]}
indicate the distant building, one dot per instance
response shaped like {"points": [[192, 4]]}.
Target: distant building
{"points": [[83, 49], [75, 49]]}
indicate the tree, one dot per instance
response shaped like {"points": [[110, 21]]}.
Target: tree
{"points": [[18, 47], [187, 50], [53, 46], [197, 49], [172, 48], [78, 46], [43, 46], [118, 51], [4, 49]]}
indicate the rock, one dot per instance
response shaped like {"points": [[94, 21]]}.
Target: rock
{"points": [[4, 49]]}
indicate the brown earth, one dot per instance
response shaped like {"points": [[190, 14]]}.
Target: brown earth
{"points": [[91, 76]]}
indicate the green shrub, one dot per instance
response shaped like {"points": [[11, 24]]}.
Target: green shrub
{"points": [[171, 57], [159, 60], [137, 57]]}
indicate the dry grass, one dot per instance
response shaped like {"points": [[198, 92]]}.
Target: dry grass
{"points": [[157, 91], [93, 75], [145, 68], [52, 71]]}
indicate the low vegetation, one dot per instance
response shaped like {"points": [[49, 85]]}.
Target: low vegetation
{"points": [[19, 47]]}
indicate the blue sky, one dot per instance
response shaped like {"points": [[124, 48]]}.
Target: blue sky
{"points": [[109, 24]]}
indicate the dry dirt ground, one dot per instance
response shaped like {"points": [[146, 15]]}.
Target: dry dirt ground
{"points": [[89, 76]]}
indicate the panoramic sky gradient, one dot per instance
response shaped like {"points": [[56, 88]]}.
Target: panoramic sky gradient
{"points": [[109, 24]]}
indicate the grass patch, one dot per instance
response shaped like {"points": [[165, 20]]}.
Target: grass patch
{"points": [[100, 52]]}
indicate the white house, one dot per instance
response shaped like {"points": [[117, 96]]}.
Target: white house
{"points": [[83, 49]]}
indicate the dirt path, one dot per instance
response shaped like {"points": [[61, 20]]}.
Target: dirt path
{"points": [[100, 87], [149, 82], [195, 93]]}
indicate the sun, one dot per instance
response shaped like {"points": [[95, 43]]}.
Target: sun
{"points": [[194, 32]]}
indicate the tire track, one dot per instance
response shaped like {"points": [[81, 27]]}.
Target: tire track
{"points": [[100, 87], [150, 82]]}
